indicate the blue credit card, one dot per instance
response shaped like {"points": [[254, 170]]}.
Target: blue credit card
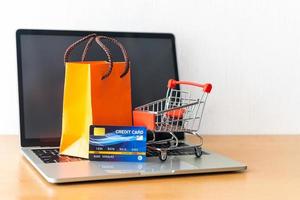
{"points": [[117, 143]]}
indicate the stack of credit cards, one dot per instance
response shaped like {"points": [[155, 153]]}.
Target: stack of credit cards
{"points": [[117, 143]]}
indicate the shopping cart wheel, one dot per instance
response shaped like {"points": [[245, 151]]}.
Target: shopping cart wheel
{"points": [[198, 152], [163, 155]]}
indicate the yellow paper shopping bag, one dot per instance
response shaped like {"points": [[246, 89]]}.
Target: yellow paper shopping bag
{"points": [[95, 93]]}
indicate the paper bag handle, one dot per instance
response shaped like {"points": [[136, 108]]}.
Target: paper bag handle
{"points": [[90, 38], [124, 52], [72, 46]]}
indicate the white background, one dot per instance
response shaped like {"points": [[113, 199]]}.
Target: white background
{"points": [[248, 49]]}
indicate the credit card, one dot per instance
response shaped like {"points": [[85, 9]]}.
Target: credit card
{"points": [[117, 143]]}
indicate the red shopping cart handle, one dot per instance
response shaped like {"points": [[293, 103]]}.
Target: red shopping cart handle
{"points": [[206, 87]]}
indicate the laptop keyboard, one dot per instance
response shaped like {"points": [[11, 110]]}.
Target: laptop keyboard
{"points": [[52, 155]]}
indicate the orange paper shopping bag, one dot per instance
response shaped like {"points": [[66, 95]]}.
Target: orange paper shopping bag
{"points": [[95, 93]]}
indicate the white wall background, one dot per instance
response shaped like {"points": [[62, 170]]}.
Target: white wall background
{"points": [[248, 49]]}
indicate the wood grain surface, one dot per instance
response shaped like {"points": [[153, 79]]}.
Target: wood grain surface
{"points": [[273, 173]]}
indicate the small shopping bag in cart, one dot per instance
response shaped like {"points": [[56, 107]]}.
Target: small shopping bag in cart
{"points": [[92, 94]]}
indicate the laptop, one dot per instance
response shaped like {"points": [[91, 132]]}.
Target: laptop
{"points": [[41, 83]]}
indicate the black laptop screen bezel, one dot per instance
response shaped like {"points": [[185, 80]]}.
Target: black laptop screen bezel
{"points": [[27, 142]]}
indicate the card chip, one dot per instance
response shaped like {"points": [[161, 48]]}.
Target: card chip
{"points": [[99, 131]]}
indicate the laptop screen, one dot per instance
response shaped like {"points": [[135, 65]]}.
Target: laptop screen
{"points": [[41, 74]]}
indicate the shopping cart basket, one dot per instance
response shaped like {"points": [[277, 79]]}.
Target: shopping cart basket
{"points": [[179, 111]]}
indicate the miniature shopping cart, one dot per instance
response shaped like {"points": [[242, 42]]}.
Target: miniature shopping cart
{"points": [[179, 111]]}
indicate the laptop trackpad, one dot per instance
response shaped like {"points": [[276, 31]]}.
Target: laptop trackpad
{"points": [[152, 166], [81, 169]]}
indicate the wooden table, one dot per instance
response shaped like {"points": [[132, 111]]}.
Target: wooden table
{"points": [[273, 173]]}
